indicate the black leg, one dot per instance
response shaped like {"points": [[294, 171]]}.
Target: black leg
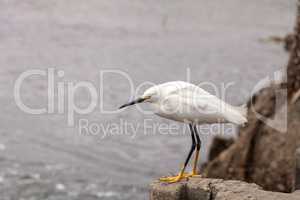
{"points": [[181, 173], [192, 147], [198, 146], [198, 143]]}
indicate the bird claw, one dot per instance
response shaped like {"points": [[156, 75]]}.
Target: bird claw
{"points": [[174, 179], [192, 174], [171, 179]]}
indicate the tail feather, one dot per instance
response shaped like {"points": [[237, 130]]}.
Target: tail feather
{"points": [[243, 110], [238, 115]]}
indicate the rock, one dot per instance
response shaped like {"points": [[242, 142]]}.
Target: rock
{"points": [[297, 182], [218, 145], [289, 42], [163, 191], [273, 154], [262, 154], [233, 162], [214, 189]]}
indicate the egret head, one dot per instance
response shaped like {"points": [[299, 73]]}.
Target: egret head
{"points": [[150, 95]]}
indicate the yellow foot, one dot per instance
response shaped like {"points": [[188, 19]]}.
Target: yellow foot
{"points": [[172, 179], [187, 175]]}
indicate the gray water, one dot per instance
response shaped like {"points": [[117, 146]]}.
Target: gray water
{"points": [[41, 157]]}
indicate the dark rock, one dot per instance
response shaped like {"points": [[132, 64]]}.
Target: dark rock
{"points": [[297, 181], [289, 42], [218, 145]]}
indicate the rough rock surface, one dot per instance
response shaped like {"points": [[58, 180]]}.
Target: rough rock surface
{"points": [[214, 189], [297, 173], [218, 145]]}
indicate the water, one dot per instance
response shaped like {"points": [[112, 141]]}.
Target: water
{"points": [[42, 157]]}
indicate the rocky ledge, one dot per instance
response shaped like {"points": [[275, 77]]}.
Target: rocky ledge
{"points": [[215, 189]]}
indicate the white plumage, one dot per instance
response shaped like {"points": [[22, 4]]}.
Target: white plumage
{"points": [[185, 102]]}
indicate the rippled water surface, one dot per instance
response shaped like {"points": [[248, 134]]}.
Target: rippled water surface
{"points": [[41, 157]]}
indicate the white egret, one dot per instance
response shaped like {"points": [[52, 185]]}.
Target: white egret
{"points": [[188, 103]]}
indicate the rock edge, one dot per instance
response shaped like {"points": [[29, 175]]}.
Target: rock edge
{"points": [[214, 189]]}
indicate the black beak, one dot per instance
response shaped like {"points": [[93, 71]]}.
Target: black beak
{"points": [[139, 100]]}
